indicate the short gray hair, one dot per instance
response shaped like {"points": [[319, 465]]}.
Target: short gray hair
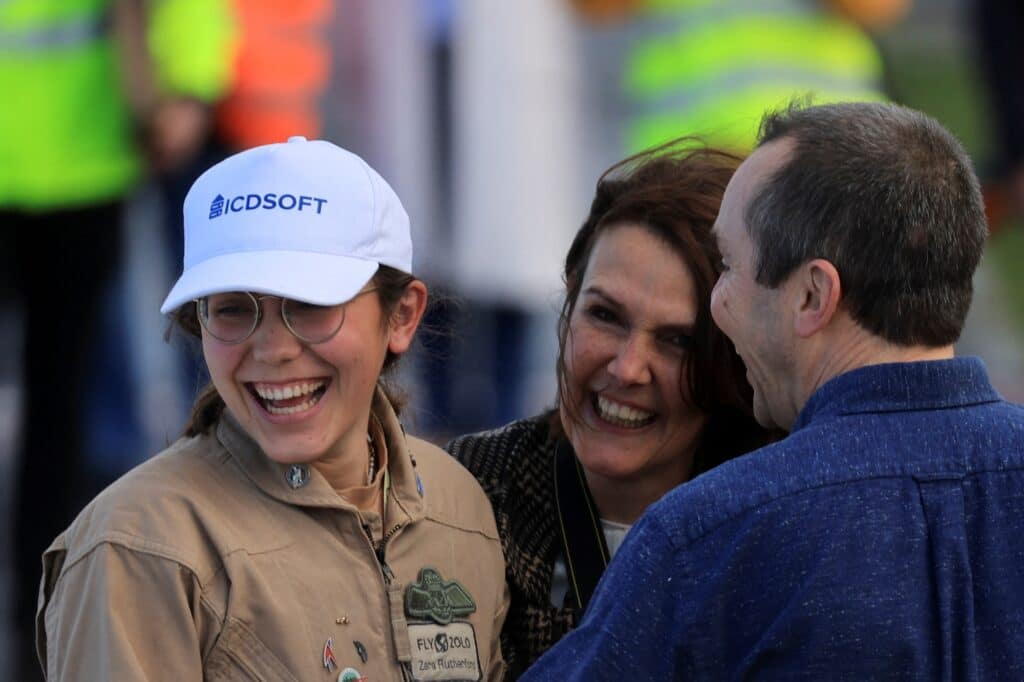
{"points": [[890, 198]]}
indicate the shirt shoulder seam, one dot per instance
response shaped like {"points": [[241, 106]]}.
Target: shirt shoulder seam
{"points": [[132, 543]]}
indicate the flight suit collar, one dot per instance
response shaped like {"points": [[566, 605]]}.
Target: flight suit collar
{"points": [[303, 485]]}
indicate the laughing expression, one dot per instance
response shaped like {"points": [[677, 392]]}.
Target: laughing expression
{"points": [[753, 316], [625, 405], [302, 402]]}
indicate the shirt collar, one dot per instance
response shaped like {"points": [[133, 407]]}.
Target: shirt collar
{"points": [[896, 387], [314, 491]]}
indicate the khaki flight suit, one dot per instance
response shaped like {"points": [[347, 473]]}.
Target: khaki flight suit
{"points": [[210, 561]]}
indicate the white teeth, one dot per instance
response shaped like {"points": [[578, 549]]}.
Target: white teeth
{"points": [[621, 415], [286, 392], [274, 393], [292, 409]]}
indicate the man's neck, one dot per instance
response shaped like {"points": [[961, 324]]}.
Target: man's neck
{"points": [[855, 347]]}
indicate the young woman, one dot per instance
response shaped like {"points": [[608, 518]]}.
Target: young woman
{"points": [[295, 532], [651, 393]]}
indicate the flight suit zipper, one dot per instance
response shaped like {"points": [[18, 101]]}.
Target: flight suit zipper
{"points": [[393, 592]]}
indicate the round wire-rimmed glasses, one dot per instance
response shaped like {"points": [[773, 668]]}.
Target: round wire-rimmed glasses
{"points": [[233, 316]]}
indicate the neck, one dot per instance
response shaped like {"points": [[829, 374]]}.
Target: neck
{"points": [[624, 501], [349, 474], [854, 347]]}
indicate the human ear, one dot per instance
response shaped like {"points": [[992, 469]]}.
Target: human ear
{"points": [[819, 291], [406, 317]]}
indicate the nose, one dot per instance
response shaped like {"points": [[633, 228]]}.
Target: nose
{"points": [[272, 342], [632, 362]]}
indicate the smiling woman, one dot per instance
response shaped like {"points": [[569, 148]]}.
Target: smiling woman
{"points": [[633, 426], [651, 393], [295, 513]]}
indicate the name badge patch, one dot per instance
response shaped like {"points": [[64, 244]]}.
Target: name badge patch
{"points": [[444, 652]]}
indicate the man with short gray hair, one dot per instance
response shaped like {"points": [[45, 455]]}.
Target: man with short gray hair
{"points": [[883, 539]]}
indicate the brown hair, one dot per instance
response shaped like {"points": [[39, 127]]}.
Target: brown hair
{"points": [[390, 284], [675, 191]]}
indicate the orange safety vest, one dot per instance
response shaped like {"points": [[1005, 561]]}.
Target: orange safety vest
{"points": [[282, 69]]}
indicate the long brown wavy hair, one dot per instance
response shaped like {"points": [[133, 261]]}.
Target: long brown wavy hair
{"points": [[675, 191]]}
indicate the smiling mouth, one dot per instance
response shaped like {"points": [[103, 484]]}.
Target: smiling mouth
{"points": [[278, 399], [621, 415]]}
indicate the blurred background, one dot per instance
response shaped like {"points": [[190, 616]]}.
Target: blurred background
{"points": [[491, 119]]}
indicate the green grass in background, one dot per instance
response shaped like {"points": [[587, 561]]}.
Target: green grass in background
{"points": [[937, 76], [935, 71], [1006, 254]]}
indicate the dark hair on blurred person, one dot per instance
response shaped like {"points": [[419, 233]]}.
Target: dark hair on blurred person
{"points": [[390, 284], [675, 191], [890, 198]]}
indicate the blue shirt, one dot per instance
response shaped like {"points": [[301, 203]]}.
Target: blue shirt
{"points": [[883, 539]]}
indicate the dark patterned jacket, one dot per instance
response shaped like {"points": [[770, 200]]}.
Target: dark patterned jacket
{"points": [[514, 464]]}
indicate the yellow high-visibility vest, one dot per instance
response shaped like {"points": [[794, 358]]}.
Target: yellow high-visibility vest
{"points": [[67, 136], [712, 67]]}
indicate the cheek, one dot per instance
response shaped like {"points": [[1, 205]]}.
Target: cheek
{"points": [[582, 347], [214, 355], [687, 432], [676, 394], [356, 349], [221, 361]]}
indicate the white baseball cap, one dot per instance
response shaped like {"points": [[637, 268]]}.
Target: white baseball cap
{"points": [[302, 219]]}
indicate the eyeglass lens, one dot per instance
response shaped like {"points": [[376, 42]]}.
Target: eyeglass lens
{"points": [[233, 316]]}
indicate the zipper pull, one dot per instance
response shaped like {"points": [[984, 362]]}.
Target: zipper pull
{"points": [[389, 575]]}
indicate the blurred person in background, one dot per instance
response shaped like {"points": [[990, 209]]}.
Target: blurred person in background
{"points": [[94, 93], [294, 528], [999, 40], [650, 392], [281, 72], [517, 176], [882, 538], [278, 74], [712, 67], [278, 77]]}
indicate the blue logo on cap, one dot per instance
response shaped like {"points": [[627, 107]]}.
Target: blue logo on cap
{"points": [[269, 201], [216, 206]]}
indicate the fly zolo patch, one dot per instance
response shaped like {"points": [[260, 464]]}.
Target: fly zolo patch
{"points": [[442, 648], [444, 652]]}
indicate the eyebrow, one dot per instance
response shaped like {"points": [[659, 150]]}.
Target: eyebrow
{"points": [[664, 330], [602, 294]]}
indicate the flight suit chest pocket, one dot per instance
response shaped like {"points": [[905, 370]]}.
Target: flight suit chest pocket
{"points": [[240, 655], [441, 646]]}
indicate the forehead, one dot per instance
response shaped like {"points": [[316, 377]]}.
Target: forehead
{"points": [[639, 269], [745, 184]]}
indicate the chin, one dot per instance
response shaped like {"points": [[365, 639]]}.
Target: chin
{"points": [[282, 453], [605, 460]]}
